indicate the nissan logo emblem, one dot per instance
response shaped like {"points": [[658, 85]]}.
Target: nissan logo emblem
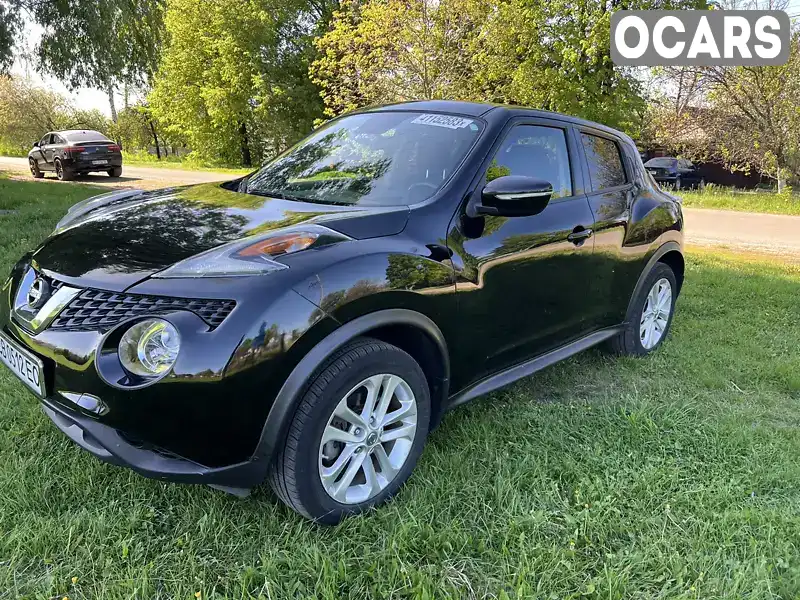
{"points": [[38, 293]]}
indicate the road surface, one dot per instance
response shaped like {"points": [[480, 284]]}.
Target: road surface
{"points": [[147, 178], [778, 234]]}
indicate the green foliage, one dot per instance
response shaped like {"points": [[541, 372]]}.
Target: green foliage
{"points": [[545, 54], [28, 111], [233, 78], [10, 23], [394, 50], [98, 42]]}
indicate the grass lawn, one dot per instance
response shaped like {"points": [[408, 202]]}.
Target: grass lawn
{"points": [[675, 476], [728, 199]]}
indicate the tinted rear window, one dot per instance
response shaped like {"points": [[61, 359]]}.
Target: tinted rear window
{"points": [[86, 136], [668, 163], [605, 162]]}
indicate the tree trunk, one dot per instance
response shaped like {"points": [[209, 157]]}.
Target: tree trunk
{"points": [[155, 139], [781, 180], [110, 92], [247, 159]]}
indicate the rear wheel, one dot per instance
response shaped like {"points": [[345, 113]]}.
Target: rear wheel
{"points": [[34, 166], [651, 314], [356, 435], [115, 172], [62, 172]]}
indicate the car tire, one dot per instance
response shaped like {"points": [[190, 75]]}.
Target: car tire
{"points": [[62, 172], [303, 460], [115, 172], [645, 330], [34, 166]]}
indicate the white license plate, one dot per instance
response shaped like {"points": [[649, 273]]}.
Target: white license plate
{"points": [[23, 364], [99, 162]]}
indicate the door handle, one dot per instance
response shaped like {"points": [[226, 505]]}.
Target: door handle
{"points": [[579, 236]]}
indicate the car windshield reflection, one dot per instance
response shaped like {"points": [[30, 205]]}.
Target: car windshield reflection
{"points": [[380, 158]]}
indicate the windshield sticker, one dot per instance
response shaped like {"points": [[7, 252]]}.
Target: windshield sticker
{"points": [[448, 121]]}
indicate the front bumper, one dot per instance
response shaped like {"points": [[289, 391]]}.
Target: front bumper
{"points": [[107, 444]]}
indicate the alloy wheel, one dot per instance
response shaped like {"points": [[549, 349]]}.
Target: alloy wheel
{"points": [[32, 165], [656, 312], [368, 438], [59, 170]]}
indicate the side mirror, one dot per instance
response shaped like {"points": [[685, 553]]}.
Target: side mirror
{"points": [[36, 144], [514, 196]]}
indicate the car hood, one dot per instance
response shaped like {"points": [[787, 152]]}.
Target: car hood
{"points": [[115, 240]]}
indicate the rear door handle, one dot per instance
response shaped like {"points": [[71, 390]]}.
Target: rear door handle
{"points": [[580, 236]]}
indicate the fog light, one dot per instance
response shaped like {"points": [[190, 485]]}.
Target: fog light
{"points": [[149, 348]]}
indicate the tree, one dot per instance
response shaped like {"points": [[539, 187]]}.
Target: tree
{"points": [[234, 79], [28, 111], [551, 54], [394, 50], [745, 117], [9, 29], [92, 43]]}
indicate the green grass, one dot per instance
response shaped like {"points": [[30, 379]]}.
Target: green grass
{"points": [[741, 200], [675, 476], [145, 159]]}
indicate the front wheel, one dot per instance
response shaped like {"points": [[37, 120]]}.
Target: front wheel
{"points": [[34, 166], [651, 314], [356, 434]]}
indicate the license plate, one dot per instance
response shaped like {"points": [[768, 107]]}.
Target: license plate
{"points": [[99, 162], [23, 364]]}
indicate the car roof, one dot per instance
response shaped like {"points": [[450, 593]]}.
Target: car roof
{"points": [[481, 109]]}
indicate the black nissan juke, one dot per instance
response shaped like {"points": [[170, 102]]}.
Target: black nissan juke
{"points": [[309, 324]]}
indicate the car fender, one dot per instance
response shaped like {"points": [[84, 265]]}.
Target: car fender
{"points": [[291, 392], [655, 257]]}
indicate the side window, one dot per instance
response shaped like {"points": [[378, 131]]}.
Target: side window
{"points": [[46, 139], [605, 162], [535, 151], [57, 139]]}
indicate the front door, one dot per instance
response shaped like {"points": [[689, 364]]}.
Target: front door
{"points": [[40, 153], [50, 150], [521, 281]]}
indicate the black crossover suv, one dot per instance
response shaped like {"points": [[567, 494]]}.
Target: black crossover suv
{"points": [[310, 323], [74, 152]]}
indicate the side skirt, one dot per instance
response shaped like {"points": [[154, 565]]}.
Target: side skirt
{"points": [[512, 374]]}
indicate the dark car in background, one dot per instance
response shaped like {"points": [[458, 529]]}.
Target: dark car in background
{"points": [[75, 152], [674, 172], [310, 323]]}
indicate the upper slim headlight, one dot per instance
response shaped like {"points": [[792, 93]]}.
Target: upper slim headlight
{"points": [[253, 255], [149, 348]]}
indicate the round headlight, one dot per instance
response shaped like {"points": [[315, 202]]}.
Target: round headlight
{"points": [[149, 348]]}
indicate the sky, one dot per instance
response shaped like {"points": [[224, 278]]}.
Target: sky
{"points": [[87, 98]]}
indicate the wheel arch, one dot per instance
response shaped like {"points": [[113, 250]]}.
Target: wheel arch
{"points": [[669, 253], [409, 330]]}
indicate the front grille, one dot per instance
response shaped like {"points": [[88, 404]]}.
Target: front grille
{"points": [[96, 310]]}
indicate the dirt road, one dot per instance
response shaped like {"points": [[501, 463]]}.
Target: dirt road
{"points": [[777, 234], [147, 178]]}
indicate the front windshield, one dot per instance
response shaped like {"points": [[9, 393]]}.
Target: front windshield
{"points": [[379, 159], [669, 163]]}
